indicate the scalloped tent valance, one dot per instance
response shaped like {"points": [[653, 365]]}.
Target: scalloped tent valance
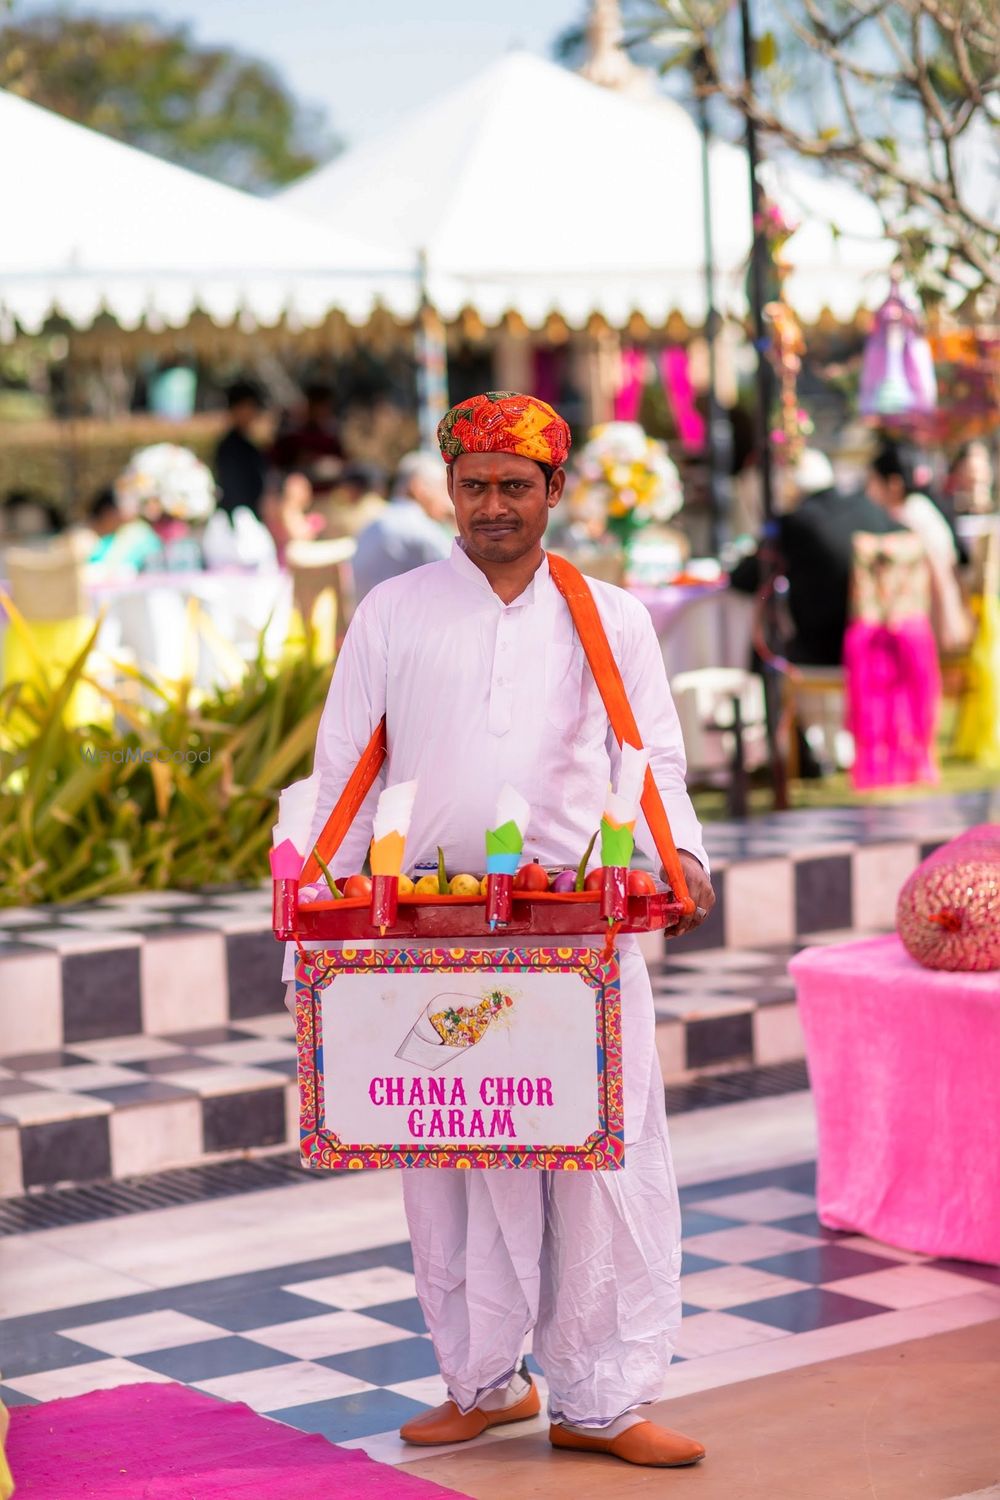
{"points": [[92, 225], [529, 189]]}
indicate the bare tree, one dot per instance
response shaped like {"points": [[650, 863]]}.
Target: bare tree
{"points": [[902, 96]]}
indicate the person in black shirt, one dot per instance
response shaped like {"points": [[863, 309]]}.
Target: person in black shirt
{"points": [[240, 466], [815, 544]]}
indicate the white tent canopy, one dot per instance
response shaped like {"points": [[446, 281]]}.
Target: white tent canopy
{"points": [[91, 226], [529, 189]]}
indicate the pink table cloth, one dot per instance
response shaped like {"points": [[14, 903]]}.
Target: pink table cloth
{"points": [[905, 1070]]}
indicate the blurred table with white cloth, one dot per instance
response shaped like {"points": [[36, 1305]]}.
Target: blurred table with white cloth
{"points": [[166, 624], [148, 619], [705, 634]]}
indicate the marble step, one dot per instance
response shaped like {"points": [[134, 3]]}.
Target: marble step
{"points": [[119, 1106], [171, 961]]}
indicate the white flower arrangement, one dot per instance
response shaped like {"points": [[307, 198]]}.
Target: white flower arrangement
{"points": [[629, 475], [170, 477]]}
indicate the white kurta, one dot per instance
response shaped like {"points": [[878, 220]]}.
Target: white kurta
{"points": [[478, 693]]}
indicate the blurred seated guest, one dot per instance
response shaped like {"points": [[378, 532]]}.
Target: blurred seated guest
{"points": [[311, 443], [969, 485], [892, 484], [120, 544], [411, 530], [240, 467], [358, 499], [814, 540], [103, 519], [171, 489], [287, 513], [28, 517]]}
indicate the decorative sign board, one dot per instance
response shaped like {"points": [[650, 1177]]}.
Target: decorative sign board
{"points": [[460, 1057]]}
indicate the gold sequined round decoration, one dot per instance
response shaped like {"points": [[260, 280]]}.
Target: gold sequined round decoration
{"points": [[948, 914]]}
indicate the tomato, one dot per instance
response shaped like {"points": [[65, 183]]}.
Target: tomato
{"points": [[641, 883], [595, 880], [357, 885], [531, 878]]}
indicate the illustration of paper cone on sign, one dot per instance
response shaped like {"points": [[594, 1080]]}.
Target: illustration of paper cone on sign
{"points": [[450, 1025], [389, 830], [618, 832]]}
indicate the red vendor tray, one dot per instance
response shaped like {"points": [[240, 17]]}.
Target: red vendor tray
{"points": [[538, 913]]}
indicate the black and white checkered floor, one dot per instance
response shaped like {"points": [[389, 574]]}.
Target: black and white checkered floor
{"points": [[300, 1300]]}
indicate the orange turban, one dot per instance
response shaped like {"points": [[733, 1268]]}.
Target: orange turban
{"points": [[505, 422]]}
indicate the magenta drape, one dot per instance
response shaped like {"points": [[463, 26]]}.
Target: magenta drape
{"points": [[676, 377]]}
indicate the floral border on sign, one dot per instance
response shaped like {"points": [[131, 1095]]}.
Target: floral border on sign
{"points": [[603, 1151]]}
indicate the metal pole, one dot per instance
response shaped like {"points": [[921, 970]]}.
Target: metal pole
{"points": [[432, 364], [764, 406], [719, 432], [758, 272]]}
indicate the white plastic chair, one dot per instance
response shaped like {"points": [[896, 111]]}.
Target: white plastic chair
{"points": [[704, 700]]}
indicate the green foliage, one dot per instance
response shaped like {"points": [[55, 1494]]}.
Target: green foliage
{"points": [[74, 826], [150, 84]]}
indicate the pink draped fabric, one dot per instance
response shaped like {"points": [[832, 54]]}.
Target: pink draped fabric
{"points": [[676, 379], [628, 397], [892, 690], [903, 1063], [546, 368]]}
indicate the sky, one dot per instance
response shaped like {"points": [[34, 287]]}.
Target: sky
{"points": [[365, 62]]}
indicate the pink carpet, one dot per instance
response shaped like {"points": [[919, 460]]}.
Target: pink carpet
{"points": [[167, 1442]]}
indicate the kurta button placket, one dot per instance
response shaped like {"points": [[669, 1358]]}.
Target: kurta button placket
{"points": [[502, 686]]}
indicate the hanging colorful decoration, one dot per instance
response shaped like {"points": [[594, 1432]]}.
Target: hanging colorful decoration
{"points": [[792, 424], [967, 361], [898, 385]]}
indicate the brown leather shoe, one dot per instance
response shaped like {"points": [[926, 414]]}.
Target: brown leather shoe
{"points": [[644, 1443], [446, 1424]]}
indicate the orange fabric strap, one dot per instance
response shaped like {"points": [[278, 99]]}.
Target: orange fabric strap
{"points": [[597, 649], [593, 637], [360, 783]]}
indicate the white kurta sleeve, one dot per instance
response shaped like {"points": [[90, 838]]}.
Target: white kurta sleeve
{"points": [[354, 705], [645, 679]]}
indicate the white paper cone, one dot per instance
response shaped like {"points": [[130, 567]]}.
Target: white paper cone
{"points": [[618, 810], [631, 776], [512, 808], [296, 810], [394, 810]]}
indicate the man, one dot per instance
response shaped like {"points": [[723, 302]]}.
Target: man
{"points": [[358, 500], [483, 680], [410, 531], [239, 464], [815, 543], [312, 445]]}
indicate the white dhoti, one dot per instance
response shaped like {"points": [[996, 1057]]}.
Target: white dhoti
{"points": [[588, 1261]]}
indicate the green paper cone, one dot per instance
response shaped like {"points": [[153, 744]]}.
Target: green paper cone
{"points": [[504, 840], [617, 845]]}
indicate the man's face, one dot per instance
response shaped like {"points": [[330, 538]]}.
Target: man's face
{"points": [[501, 504], [432, 495], [244, 414]]}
